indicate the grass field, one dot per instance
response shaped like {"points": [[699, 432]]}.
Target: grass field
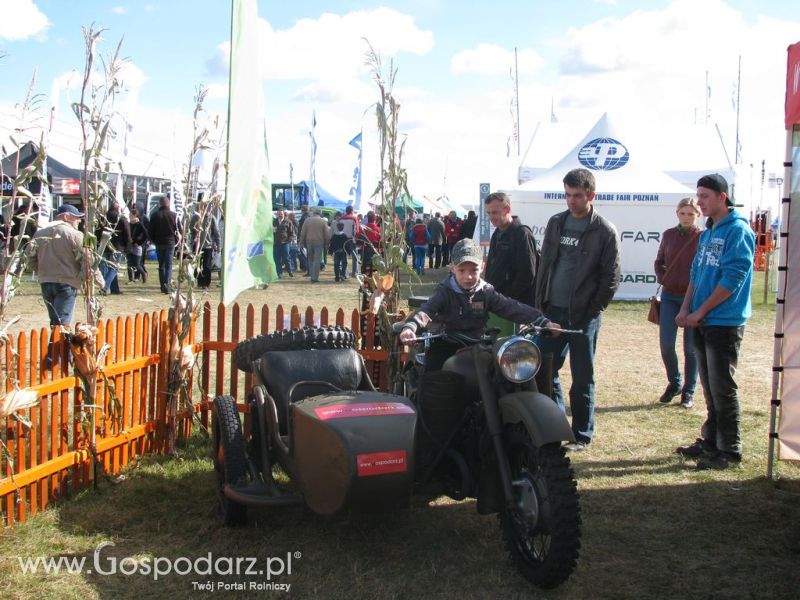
{"points": [[653, 526]]}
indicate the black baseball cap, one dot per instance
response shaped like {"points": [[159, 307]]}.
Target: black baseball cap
{"points": [[716, 182]]}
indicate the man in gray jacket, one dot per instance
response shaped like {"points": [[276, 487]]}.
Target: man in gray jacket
{"points": [[578, 276], [436, 230], [314, 237]]}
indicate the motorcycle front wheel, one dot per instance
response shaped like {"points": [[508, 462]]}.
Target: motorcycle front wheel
{"points": [[543, 530]]}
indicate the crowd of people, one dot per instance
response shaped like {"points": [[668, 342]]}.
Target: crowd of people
{"points": [[706, 278], [352, 240]]}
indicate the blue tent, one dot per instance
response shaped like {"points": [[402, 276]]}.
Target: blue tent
{"points": [[325, 197]]}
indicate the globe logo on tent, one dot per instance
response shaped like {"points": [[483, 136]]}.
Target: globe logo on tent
{"points": [[603, 154]]}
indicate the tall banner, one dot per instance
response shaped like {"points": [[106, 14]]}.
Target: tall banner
{"points": [[793, 86], [355, 190], [314, 199], [247, 243]]}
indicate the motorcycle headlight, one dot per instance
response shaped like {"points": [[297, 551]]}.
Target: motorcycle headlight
{"points": [[519, 359]]}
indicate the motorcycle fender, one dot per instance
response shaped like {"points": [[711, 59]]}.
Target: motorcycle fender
{"points": [[540, 415]]}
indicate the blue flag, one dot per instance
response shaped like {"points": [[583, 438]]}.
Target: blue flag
{"points": [[355, 190]]}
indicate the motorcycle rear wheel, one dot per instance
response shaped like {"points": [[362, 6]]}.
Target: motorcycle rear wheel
{"points": [[305, 338], [230, 461], [543, 533]]}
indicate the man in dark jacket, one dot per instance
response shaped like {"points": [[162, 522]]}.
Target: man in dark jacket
{"points": [[577, 278], [163, 229], [511, 264], [436, 234]]}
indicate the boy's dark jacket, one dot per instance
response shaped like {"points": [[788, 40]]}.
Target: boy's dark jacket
{"points": [[466, 311], [340, 241]]}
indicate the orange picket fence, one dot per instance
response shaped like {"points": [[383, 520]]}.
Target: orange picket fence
{"points": [[53, 459]]}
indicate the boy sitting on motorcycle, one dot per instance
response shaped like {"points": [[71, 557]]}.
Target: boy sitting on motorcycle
{"points": [[462, 303]]}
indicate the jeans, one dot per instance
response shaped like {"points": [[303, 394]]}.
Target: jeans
{"points": [[419, 259], [297, 257], [434, 256], [581, 348], [108, 267], [60, 301], [717, 357], [282, 259], [340, 264], [136, 268], [667, 335], [314, 260], [165, 254]]}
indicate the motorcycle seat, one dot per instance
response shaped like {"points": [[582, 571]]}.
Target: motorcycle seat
{"points": [[329, 370]]}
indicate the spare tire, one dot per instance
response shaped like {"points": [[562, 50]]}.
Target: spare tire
{"points": [[306, 338]]}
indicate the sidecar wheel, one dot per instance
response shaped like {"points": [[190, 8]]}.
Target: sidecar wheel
{"points": [[543, 533], [230, 461], [305, 338]]}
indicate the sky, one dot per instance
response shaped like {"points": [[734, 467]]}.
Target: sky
{"points": [[654, 65]]}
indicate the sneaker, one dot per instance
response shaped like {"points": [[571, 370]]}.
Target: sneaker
{"points": [[697, 449], [718, 461], [673, 389], [290, 274], [686, 400], [575, 446]]}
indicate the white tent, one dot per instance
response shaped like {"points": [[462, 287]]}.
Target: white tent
{"points": [[638, 198], [684, 152]]}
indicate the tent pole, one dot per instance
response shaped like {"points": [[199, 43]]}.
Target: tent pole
{"points": [[777, 360]]}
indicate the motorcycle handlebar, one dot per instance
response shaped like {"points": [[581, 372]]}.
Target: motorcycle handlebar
{"points": [[465, 339]]}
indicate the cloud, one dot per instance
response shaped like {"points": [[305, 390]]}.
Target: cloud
{"points": [[22, 20], [119, 10], [490, 59], [331, 47]]}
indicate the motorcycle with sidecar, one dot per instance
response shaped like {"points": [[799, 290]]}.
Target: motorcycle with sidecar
{"points": [[477, 428]]}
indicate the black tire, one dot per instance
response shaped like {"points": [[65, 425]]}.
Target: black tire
{"points": [[306, 338], [230, 460], [544, 539]]}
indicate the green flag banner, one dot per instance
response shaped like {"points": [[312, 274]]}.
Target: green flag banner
{"points": [[247, 245]]}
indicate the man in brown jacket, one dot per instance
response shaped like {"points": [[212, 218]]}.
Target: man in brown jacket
{"points": [[314, 237], [56, 254]]}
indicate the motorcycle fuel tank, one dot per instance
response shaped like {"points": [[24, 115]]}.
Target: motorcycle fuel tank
{"points": [[354, 450]]}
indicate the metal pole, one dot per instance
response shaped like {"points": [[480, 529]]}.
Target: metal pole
{"points": [[516, 91], [777, 354]]}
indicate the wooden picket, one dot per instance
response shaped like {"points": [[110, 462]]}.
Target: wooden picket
{"points": [[52, 459]]}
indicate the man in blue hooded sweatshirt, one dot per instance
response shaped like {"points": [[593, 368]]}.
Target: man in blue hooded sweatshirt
{"points": [[717, 305]]}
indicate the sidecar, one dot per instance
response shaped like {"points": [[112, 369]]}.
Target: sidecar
{"points": [[319, 434]]}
